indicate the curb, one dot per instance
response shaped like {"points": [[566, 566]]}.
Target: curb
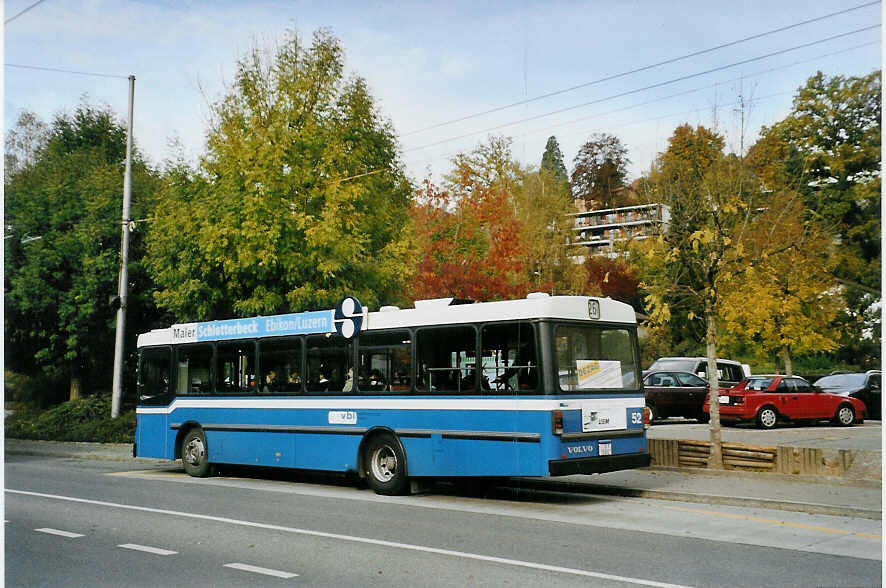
{"points": [[96, 452], [673, 496]]}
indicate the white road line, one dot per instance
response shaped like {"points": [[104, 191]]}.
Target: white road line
{"points": [[363, 540], [146, 549], [67, 534], [258, 570]]}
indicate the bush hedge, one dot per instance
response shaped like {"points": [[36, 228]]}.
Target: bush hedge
{"points": [[86, 419]]}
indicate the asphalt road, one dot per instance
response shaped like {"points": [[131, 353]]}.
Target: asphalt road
{"points": [[867, 436], [86, 523]]}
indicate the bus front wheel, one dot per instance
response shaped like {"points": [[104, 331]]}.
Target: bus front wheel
{"points": [[385, 465], [195, 455]]}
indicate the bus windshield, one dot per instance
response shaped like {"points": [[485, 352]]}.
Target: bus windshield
{"points": [[595, 357]]}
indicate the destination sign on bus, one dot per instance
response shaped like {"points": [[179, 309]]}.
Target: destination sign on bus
{"points": [[302, 323]]}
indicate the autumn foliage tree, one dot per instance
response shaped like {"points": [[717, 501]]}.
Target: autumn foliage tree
{"points": [[785, 302], [468, 244]]}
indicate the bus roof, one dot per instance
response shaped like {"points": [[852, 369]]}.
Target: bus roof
{"points": [[441, 311]]}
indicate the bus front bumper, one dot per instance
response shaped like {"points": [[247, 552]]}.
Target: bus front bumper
{"points": [[598, 465]]}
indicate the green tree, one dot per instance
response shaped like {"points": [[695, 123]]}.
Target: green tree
{"points": [[62, 209], [544, 207], [829, 149], [552, 161], [300, 198], [599, 171]]}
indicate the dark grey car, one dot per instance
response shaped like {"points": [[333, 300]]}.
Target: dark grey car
{"points": [[864, 386], [675, 394]]}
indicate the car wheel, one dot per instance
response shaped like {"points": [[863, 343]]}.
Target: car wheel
{"points": [[767, 418], [195, 454], [385, 465], [845, 415], [703, 418]]}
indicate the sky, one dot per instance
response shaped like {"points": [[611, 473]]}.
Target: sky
{"points": [[564, 68]]}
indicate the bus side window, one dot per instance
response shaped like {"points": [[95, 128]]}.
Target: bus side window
{"points": [[194, 369], [385, 362], [280, 363], [329, 366], [447, 359]]}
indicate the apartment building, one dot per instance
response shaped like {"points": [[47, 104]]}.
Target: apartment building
{"points": [[599, 232]]}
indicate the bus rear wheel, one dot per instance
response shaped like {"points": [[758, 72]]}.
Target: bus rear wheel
{"points": [[195, 454], [385, 465]]}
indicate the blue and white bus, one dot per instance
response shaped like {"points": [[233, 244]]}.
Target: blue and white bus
{"points": [[543, 386]]}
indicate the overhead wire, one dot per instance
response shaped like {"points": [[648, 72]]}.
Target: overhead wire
{"points": [[548, 128], [12, 18], [641, 69], [68, 71], [644, 88]]}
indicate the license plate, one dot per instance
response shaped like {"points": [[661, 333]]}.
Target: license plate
{"points": [[724, 400], [605, 449]]}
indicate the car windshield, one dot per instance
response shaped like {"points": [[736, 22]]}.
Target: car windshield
{"points": [[841, 381], [757, 383], [676, 365]]}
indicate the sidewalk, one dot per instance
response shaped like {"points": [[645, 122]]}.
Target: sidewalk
{"points": [[814, 495]]}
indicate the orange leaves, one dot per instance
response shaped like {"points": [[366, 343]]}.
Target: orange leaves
{"points": [[469, 244]]}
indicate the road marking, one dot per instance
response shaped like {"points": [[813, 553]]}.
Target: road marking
{"points": [[67, 534], [730, 515], [363, 540], [147, 549], [258, 570]]}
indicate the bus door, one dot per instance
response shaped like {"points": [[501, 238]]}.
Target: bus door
{"points": [[509, 370]]}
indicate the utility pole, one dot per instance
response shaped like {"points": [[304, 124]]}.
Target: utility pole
{"points": [[117, 390]]}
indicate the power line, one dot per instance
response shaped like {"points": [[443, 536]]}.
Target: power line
{"points": [[12, 18], [640, 69], [547, 128], [68, 71], [644, 88]]}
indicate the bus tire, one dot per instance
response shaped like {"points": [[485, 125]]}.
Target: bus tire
{"points": [[385, 464], [195, 453]]}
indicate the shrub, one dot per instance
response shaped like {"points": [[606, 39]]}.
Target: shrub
{"points": [[86, 419]]}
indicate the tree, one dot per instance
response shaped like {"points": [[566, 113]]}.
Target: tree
{"points": [[552, 161], [613, 278], [496, 230], [300, 198], [469, 244], [829, 149], [62, 206], [785, 303], [24, 142], [599, 171], [689, 268], [544, 208]]}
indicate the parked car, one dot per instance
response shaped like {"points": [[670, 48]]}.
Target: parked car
{"points": [[729, 373], [864, 386], [770, 399], [675, 394]]}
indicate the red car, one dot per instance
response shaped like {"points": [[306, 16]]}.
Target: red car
{"points": [[769, 399]]}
